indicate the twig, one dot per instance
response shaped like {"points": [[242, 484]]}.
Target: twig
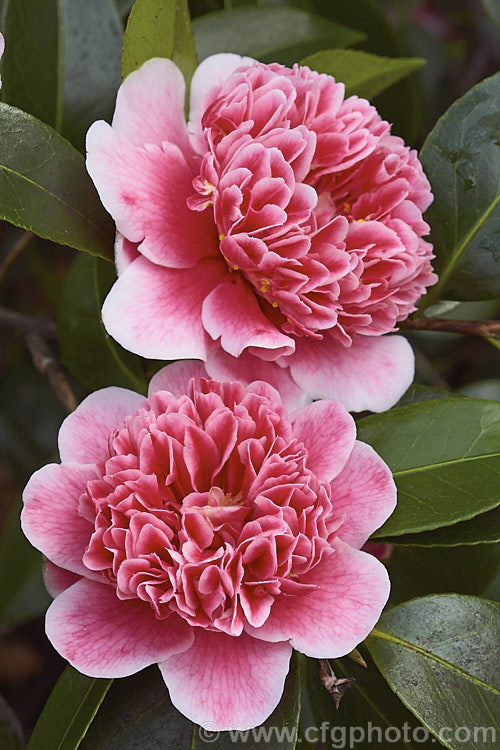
{"points": [[335, 687], [482, 328], [22, 324], [18, 248], [47, 364]]}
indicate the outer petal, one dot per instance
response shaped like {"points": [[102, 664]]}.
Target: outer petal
{"points": [[205, 86], [50, 517], [373, 374], [246, 368], [365, 491], [227, 681], [232, 313], [57, 579], [156, 312], [84, 434], [328, 432], [102, 636], [125, 253], [353, 588], [150, 106], [175, 377], [145, 191]]}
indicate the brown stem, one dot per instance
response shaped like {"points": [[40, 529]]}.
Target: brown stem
{"points": [[47, 364], [18, 248], [23, 325], [482, 328], [331, 683]]}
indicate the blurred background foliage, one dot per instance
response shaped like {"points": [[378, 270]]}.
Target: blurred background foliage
{"points": [[43, 373]]}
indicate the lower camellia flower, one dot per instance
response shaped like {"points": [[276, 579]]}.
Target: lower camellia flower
{"points": [[277, 236], [207, 530]]}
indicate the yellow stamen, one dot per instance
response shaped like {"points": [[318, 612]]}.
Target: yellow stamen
{"points": [[221, 237], [275, 304], [265, 285], [347, 207]]}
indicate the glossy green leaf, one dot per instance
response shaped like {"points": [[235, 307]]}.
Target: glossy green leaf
{"points": [[22, 593], [88, 351], [483, 529], [69, 711], [492, 8], [62, 61], [461, 157], [415, 571], [282, 35], [368, 702], [418, 393], [45, 188], [157, 28], [11, 734], [445, 458], [364, 74], [438, 655]]}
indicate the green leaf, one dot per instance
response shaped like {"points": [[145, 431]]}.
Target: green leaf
{"points": [[492, 8], [22, 593], [62, 61], [445, 458], [45, 188], [415, 571], [364, 74], [282, 35], [368, 703], [461, 157], [418, 393], [438, 655], [157, 28], [69, 711], [88, 351], [483, 529], [11, 734]]}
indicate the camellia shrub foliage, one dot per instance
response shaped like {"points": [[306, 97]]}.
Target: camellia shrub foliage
{"points": [[269, 520]]}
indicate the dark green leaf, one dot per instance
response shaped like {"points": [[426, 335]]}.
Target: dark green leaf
{"points": [[156, 28], [492, 8], [438, 655], [62, 61], [445, 458], [11, 735], [363, 74], [137, 714], [461, 157], [418, 393], [269, 34], [22, 593], [93, 357], [30, 66], [92, 38], [483, 529], [69, 711], [45, 188], [415, 571], [368, 702]]}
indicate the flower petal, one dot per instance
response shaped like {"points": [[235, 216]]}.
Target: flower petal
{"points": [[156, 312], [175, 377], [103, 636], [328, 432], [246, 368], [227, 681], [373, 374], [57, 579], [145, 191], [84, 434], [150, 106], [329, 622], [205, 86], [232, 313], [50, 517], [365, 491]]}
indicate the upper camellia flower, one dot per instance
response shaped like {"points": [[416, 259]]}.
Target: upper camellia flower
{"points": [[206, 530], [278, 236]]}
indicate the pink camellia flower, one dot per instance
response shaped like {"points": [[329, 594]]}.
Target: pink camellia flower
{"points": [[277, 236], [206, 530]]}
